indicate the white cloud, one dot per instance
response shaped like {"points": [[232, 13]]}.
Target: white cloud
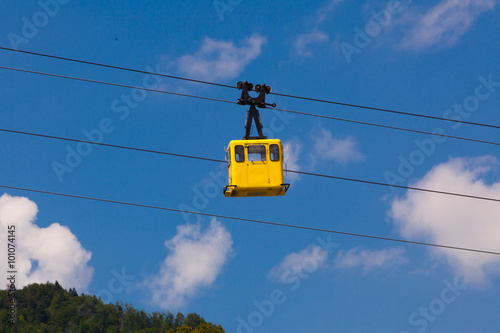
{"points": [[445, 23], [325, 11], [340, 150], [43, 254], [195, 260], [309, 259], [370, 259], [220, 59], [292, 155], [453, 220], [303, 41]]}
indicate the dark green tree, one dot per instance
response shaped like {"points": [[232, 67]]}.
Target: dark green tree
{"points": [[49, 308]]}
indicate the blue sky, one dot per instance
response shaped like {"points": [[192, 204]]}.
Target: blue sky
{"points": [[436, 58]]}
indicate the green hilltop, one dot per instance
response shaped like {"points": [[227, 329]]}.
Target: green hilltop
{"points": [[49, 308]]}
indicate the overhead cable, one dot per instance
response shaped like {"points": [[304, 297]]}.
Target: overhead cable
{"points": [[115, 84], [116, 67], [232, 102], [233, 87], [222, 161], [254, 220]]}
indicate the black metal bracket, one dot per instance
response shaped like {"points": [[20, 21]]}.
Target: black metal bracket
{"points": [[254, 102], [226, 188]]}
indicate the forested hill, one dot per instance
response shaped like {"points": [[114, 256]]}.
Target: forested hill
{"points": [[50, 308]]}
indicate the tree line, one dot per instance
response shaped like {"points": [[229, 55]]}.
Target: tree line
{"points": [[49, 308]]}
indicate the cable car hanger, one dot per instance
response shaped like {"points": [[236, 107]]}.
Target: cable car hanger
{"points": [[253, 113]]}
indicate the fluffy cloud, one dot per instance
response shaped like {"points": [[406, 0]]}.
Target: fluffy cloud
{"points": [[195, 260], [43, 254], [303, 41], [220, 59], [326, 10], [453, 220], [292, 153], [369, 259], [340, 150], [445, 23], [309, 259]]}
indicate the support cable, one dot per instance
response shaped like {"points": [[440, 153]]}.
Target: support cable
{"points": [[231, 102], [222, 161], [253, 220], [274, 93]]}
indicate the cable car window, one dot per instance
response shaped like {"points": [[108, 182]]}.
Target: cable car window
{"points": [[274, 151], [257, 153], [239, 153]]}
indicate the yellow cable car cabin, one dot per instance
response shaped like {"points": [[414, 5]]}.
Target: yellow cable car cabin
{"points": [[255, 168], [254, 164]]}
